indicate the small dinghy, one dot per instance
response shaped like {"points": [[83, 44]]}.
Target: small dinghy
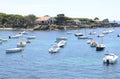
{"points": [[110, 58]]}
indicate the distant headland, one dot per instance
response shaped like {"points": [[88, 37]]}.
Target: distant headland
{"points": [[60, 22]]}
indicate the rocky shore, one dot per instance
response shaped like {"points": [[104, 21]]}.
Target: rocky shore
{"points": [[64, 27], [67, 27]]}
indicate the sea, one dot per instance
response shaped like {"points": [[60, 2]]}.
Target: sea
{"points": [[76, 60]]}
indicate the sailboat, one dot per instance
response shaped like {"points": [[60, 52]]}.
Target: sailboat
{"points": [[83, 36], [93, 43], [21, 43]]}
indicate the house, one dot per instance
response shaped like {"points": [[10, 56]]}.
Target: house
{"points": [[83, 22], [45, 20], [60, 15], [61, 19], [77, 22], [105, 21]]}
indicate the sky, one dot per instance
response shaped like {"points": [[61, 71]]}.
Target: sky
{"points": [[71, 8]]}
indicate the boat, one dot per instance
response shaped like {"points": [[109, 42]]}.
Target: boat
{"points": [[23, 32], [61, 43], [101, 35], [105, 32], [21, 44], [4, 40], [92, 33], [111, 30], [28, 41], [31, 37], [15, 36], [13, 50], [100, 47], [61, 38], [89, 41], [110, 58], [83, 37], [93, 43], [78, 34], [54, 49]]}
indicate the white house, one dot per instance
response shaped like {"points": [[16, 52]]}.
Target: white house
{"points": [[77, 22]]}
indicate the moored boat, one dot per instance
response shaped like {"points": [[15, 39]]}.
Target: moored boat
{"points": [[21, 44], [93, 43], [15, 36], [54, 49], [61, 43], [100, 47], [78, 34], [31, 37], [110, 58], [13, 50], [101, 35], [83, 37]]}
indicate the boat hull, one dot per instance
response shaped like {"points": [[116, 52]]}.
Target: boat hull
{"points": [[13, 50], [110, 59], [100, 48]]}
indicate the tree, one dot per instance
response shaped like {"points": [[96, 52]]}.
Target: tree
{"points": [[96, 18], [30, 20]]}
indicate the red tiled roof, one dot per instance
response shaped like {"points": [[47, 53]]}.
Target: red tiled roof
{"points": [[44, 18]]}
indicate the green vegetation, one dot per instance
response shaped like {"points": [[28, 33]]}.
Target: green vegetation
{"points": [[16, 21], [61, 22]]}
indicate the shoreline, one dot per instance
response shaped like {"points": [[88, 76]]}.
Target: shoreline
{"points": [[15, 29], [58, 27]]}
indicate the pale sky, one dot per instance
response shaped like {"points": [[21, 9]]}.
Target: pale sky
{"points": [[72, 8]]}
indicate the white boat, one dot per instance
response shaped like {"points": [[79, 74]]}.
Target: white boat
{"points": [[4, 40], [78, 34], [100, 47], [15, 36], [110, 31], [13, 50], [61, 43], [89, 41], [31, 37], [61, 38], [105, 32], [54, 49], [83, 37], [92, 33], [101, 35], [24, 32], [110, 58], [21, 44]]}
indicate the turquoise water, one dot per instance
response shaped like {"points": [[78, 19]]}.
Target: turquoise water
{"points": [[77, 60]]}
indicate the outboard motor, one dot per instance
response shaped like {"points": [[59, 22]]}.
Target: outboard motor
{"points": [[9, 37], [107, 61]]}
